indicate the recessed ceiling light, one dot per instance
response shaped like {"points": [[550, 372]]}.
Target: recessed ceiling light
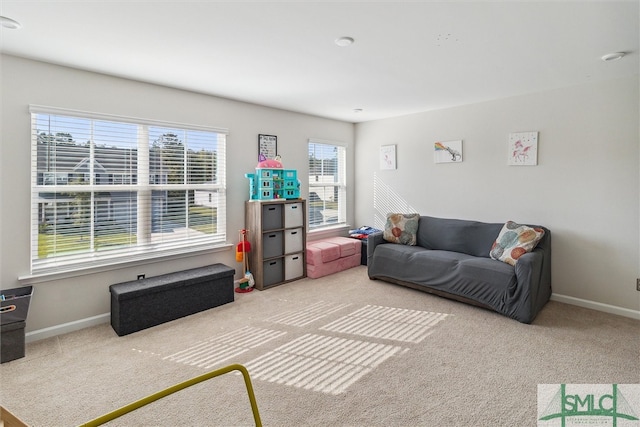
{"points": [[613, 56], [9, 23], [344, 41]]}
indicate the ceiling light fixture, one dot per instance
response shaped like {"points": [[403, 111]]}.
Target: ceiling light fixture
{"points": [[613, 56], [9, 23], [344, 41]]}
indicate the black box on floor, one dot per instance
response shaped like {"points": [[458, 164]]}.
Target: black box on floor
{"points": [[11, 341], [14, 307], [141, 304], [14, 304], [363, 252]]}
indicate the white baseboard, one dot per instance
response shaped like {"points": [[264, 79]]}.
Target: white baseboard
{"points": [[65, 328], [620, 311]]}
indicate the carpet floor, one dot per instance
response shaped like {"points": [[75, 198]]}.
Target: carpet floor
{"points": [[341, 350]]}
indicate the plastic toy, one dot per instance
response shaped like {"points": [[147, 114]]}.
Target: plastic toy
{"points": [[244, 247], [272, 181]]}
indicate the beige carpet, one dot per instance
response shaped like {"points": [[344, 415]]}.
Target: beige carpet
{"points": [[340, 350]]}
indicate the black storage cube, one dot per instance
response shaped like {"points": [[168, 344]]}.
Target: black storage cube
{"points": [[141, 304], [272, 244], [273, 272], [12, 341], [14, 306], [271, 217]]}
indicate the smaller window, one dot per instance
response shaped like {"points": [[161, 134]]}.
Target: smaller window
{"points": [[327, 184]]}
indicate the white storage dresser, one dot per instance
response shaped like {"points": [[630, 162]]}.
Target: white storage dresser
{"points": [[277, 233]]}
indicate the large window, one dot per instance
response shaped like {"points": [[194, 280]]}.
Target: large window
{"points": [[107, 189], [327, 184]]}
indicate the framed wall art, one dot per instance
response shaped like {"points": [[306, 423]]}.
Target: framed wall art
{"points": [[447, 152], [387, 157], [268, 146], [523, 149]]}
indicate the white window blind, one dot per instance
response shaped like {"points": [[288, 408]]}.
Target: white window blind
{"points": [[327, 184], [108, 189]]}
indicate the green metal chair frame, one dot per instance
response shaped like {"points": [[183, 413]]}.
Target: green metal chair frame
{"points": [[166, 392]]}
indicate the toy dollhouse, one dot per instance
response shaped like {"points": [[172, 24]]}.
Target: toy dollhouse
{"points": [[272, 181]]}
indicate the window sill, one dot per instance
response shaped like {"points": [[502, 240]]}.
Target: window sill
{"points": [[116, 265]]}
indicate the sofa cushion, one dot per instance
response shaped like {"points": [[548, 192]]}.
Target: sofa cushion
{"points": [[457, 235], [332, 254], [322, 252], [320, 270], [348, 246], [484, 279], [330, 249], [514, 241], [401, 228]]}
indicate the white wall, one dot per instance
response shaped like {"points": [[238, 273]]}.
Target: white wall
{"points": [[25, 82], [585, 188]]}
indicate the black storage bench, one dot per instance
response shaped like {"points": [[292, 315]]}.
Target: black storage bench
{"points": [[144, 303]]}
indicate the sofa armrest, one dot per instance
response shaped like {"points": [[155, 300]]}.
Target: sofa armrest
{"points": [[373, 240], [533, 273]]}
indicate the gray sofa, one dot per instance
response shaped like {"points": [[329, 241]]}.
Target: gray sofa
{"points": [[451, 259]]}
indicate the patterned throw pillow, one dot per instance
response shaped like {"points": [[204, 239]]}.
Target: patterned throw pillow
{"points": [[514, 241], [401, 228]]}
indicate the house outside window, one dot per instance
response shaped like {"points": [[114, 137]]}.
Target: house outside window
{"points": [[108, 190], [327, 184]]}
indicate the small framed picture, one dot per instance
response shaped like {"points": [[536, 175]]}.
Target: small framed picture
{"points": [[387, 157], [447, 152], [268, 146], [523, 149]]}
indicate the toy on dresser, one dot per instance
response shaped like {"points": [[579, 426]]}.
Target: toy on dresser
{"points": [[272, 181]]}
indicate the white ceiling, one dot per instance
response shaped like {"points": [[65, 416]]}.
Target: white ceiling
{"points": [[408, 56]]}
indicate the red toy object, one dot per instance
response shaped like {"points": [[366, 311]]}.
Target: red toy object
{"points": [[244, 246], [246, 283]]}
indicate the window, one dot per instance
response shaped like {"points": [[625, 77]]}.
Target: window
{"points": [[327, 184], [109, 189]]}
